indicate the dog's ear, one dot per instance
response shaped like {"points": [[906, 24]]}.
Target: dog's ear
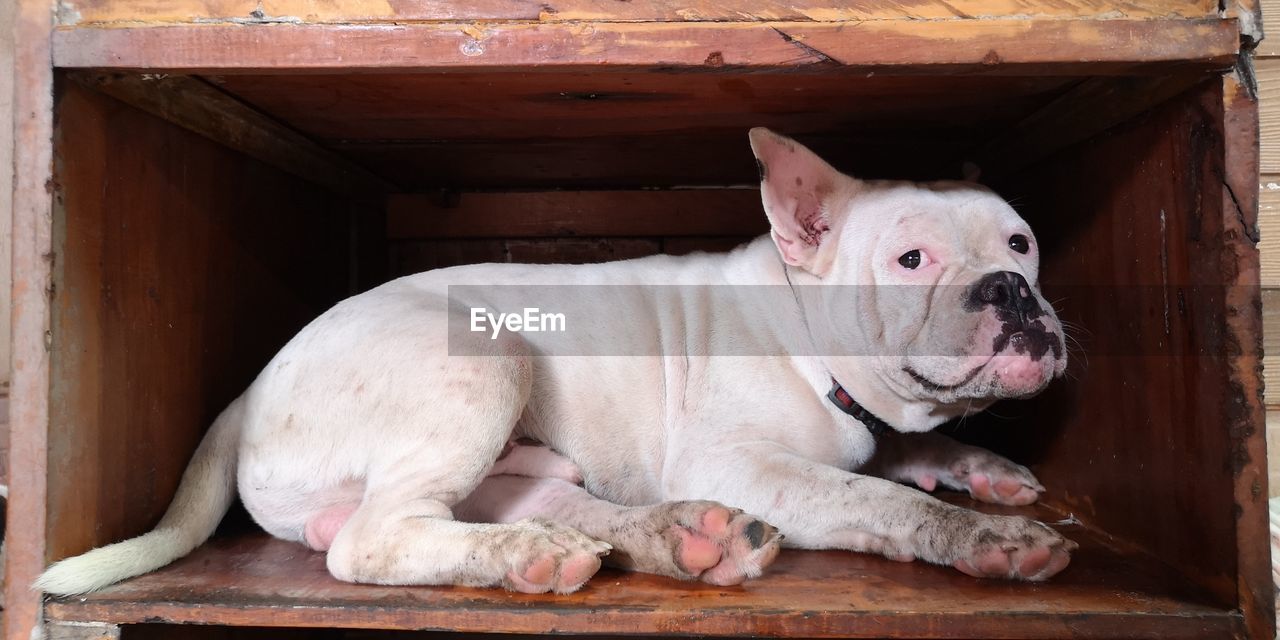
{"points": [[797, 187]]}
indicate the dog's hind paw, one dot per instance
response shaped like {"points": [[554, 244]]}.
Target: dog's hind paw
{"points": [[695, 540]]}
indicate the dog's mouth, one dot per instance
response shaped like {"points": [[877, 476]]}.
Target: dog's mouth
{"points": [[936, 387]]}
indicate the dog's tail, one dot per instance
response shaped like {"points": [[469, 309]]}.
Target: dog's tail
{"points": [[208, 486]]}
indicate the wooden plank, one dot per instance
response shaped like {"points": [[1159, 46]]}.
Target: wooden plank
{"points": [[1271, 338], [1268, 74], [31, 289], [1269, 228], [6, 188], [519, 107], [195, 105], [81, 631], [718, 158], [1014, 46], [693, 212], [1270, 45], [85, 12], [1273, 463], [1243, 408], [254, 580]]}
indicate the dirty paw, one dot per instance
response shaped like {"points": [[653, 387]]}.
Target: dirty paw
{"points": [[550, 557], [695, 540], [1015, 548], [987, 477]]}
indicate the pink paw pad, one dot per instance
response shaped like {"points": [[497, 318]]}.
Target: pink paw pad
{"points": [[696, 552]]}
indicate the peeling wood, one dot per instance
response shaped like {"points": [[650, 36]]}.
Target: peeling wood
{"points": [[1243, 306], [990, 46], [193, 104]]}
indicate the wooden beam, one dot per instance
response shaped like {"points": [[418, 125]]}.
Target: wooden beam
{"points": [[33, 262], [365, 11], [193, 104], [990, 46], [550, 214]]}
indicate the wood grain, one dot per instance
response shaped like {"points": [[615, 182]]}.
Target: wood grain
{"points": [[88, 12], [1268, 74], [524, 108], [1270, 45], [693, 212], [195, 105], [1244, 410], [31, 289], [1161, 363], [990, 46], [1106, 593], [182, 267]]}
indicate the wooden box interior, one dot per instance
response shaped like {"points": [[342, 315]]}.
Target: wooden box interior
{"points": [[183, 262]]}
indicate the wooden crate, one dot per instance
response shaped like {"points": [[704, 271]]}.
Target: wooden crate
{"points": [[194, 180]]}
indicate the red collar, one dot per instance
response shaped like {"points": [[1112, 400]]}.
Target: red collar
{"points": [[845, 402]]}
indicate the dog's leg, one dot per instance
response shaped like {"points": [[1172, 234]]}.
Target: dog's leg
{"points": [[402, 530], [692, 540], [930, 460], [406, 535], [532, 459], [821, 507]]}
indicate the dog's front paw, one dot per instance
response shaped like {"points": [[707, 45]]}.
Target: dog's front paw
{"points": [[990, 478], [1011, 547]]}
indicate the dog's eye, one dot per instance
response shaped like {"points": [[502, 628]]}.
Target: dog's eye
{"points": [[910, 259], [1019, 243]]}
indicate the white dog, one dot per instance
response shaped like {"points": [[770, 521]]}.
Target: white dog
{"points": [[374, 433]]}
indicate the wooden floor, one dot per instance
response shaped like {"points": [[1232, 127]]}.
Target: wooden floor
{"points": [[251, 578]]}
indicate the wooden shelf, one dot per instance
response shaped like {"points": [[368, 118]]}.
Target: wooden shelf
{"points": [[255, 580], [895, 44]]}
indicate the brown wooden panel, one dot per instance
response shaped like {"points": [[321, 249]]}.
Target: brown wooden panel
{"points": [[181, 267], [1144, 437], [523, 106], [630, 162], [1106, 593], [267, 11], [415, 256], [991, 46], [193, 104], [693, 212]]}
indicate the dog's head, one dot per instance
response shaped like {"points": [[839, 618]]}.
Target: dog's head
{"points": [[937, 292]]}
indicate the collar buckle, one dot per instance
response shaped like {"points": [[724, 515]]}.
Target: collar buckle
{"points": [[845, 402]]}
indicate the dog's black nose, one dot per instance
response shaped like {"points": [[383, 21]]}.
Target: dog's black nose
{"points": [[1007, 291]]}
